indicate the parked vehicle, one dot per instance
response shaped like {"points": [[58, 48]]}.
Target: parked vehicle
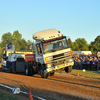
{"points": [[52, 53]]}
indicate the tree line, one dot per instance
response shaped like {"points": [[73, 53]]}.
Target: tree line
{"points": [[80, 44], [16, 39]]}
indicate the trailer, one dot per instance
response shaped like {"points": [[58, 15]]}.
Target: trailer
{"points": [[52, 53], [16, 61]]}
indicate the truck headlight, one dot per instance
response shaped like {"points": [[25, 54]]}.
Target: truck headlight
{"points": [[70, 60], [47, 59]]}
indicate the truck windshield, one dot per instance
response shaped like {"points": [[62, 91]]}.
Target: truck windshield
{"points": [[55, 45]]}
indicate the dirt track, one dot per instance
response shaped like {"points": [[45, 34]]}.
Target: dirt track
{"points": [[59, 84]]}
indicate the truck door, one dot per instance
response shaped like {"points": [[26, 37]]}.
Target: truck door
{"points": [[39, 55]]}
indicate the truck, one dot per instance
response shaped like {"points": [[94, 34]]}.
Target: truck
{"points": [[52, 53]]}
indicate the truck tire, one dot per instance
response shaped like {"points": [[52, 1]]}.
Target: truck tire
{"points": [[14, 71], [52, 74], [10, 69], [43, 75], [2, 68], [14, 68], [27, 71], [68, 69]]}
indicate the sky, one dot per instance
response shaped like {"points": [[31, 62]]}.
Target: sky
{"points": [[73, 18]]}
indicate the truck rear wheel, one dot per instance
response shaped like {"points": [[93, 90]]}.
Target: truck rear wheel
{"points": [[43, 75], [2, 68], [10, 69], [68, 69], [27, 71]]}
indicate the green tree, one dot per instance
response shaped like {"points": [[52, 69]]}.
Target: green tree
{"points": [[6, 38], [1, 48], [1, 45], [80, 44], [0, 52], [29, 42], [17, 37], [70, 43], [75, 46], [95, 45], [23, 44]]}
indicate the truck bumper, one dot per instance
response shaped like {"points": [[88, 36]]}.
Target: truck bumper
{"points": [[58, 67]]}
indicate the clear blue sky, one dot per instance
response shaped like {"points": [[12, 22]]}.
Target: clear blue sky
{"points": [[74, 18]]}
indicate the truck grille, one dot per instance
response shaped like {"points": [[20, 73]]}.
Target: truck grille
{"points": [[60, 58]]}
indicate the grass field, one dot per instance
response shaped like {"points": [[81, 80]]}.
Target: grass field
{"points": [[4, 96], [86, 73]]}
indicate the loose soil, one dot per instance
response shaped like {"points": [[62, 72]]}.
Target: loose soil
{"points": [[57, 87]]}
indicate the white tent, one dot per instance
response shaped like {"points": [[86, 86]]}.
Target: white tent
{"points": [[82, 52]]}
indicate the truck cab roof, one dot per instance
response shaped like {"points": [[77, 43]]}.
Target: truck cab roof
{"points": [[46, 34]]}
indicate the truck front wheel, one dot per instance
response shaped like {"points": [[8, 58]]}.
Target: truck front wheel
{"points": [[52, 74], [68, 69], [43, 74]]}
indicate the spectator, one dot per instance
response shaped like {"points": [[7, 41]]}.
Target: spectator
{"points": [[86, 61]]}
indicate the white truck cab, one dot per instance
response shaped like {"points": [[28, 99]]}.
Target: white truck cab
{"points": [[52, 52]]}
